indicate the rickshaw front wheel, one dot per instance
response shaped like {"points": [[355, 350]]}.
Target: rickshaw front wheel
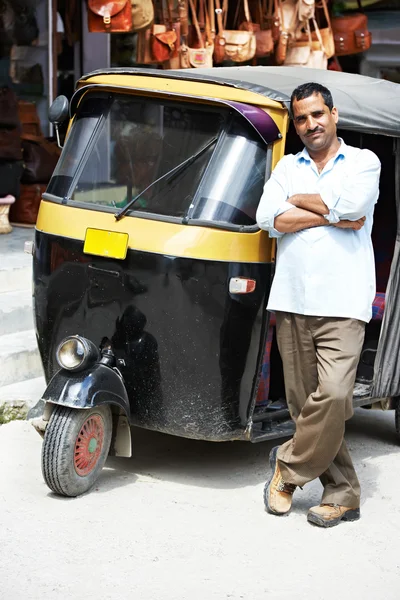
{"points": [[75, 448]]}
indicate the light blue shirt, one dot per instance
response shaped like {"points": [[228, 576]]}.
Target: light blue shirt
{"points": [[324, 271]]}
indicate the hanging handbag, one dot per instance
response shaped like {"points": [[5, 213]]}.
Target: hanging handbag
{"points": [[114, 16], [163, 39], [25, 209], [239, 46], [271, 18], [202, 56], [351, 33], [264, 41], [305, 54], [40, 158], [10, 143], [142, 14], [325, 34]]}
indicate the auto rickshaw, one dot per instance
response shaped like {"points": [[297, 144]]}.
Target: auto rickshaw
{"points": [[151, 276]]}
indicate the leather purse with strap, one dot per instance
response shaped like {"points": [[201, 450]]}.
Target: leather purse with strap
{"points": [[264, 41], [351, 33], [113, 16], [305, 53], [239, 46], [325, 33], [163, 39], [202, 56]]}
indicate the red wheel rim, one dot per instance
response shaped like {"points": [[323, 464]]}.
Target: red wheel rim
{"points": [[88, 445]]}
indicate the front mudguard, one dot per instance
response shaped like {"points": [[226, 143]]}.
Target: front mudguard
{"points": [[95, 386]]}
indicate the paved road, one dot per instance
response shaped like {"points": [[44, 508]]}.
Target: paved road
{"points": [[184, 520]]}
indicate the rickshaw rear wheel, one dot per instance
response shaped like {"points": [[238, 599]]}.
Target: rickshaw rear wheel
{"points": [[397, 417], [75, 448]]}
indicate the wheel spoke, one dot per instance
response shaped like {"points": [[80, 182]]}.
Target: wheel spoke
{"points": [[88, 445]]}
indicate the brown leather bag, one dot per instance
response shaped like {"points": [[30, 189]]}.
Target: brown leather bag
{"points": [[271, 18], [351, 33], [109, 16], [264, 41], [142, 14], [40, 158], [163, 39], [25, 209], [201, 56], [281, 48], [10, 143]]}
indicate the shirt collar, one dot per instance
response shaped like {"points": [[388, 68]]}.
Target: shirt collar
{"points": [[303, 156]]}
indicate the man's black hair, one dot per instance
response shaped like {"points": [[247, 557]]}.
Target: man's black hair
{"points": [[308, 89]]}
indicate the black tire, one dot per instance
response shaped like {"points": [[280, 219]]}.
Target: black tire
{"points": [[75, 448]]}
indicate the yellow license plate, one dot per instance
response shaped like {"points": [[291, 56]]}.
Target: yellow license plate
{"points": [[111, 244]]}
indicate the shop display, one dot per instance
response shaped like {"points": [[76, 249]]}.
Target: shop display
{"points": [[274, 32]]}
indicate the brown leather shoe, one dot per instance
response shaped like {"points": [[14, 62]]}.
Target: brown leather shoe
{"points": [[277, 493], [329, 515]]}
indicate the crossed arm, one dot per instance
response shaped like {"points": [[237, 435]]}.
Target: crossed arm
{"points": [[344, 207], [309, 211]]}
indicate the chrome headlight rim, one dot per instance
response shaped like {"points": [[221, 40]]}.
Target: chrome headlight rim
{"points": [[76, 353]]}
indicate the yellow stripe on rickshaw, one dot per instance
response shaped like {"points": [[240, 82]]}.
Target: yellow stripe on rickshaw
{"points": [[160, 237]]}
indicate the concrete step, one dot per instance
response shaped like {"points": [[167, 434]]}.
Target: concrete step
{"points": [[16, 399], [19, 357], [15, 273], [15, 266], [15, 311]]}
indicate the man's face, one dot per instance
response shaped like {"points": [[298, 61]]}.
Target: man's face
{"points": [[315, 124]]}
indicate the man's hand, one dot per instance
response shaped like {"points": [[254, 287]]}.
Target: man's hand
{"points": [[355, 225]]}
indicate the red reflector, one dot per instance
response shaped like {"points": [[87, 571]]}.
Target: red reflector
{"points": [[241, 285]]}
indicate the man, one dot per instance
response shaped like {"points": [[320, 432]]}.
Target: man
{"points": [[319, 203]]}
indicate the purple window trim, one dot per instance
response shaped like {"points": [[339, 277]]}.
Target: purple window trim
{"points": [[258, 119]]}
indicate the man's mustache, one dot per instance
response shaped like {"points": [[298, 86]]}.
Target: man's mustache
{"points": [[316, 130]]}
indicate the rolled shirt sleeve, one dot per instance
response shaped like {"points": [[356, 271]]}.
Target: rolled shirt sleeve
{"points": [[274, 200], [356, 194]]}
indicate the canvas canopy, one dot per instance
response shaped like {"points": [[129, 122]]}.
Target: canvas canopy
{"points": [[364, 103]]}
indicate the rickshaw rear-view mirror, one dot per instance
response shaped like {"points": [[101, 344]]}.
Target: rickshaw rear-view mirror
{"points": [[58, 114], [59, 110]]}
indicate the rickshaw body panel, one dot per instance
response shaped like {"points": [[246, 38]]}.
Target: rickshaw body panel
{"points": [[188, 351]]}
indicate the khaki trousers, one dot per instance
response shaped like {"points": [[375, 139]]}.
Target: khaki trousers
{"points": [[320, 357]]}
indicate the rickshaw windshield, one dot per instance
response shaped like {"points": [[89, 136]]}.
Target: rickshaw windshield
{"points": [[123, 147]]}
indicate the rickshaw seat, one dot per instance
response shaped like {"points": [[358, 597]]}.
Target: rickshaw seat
{"points": [[378, 308]]}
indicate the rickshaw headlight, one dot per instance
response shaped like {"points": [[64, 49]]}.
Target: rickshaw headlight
{"points": [[76, 353]]}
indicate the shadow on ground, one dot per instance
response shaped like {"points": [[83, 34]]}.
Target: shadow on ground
{"points": [[232, 465]]}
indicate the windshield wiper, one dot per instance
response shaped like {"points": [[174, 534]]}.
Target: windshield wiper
{"points": [[175, 171]]}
